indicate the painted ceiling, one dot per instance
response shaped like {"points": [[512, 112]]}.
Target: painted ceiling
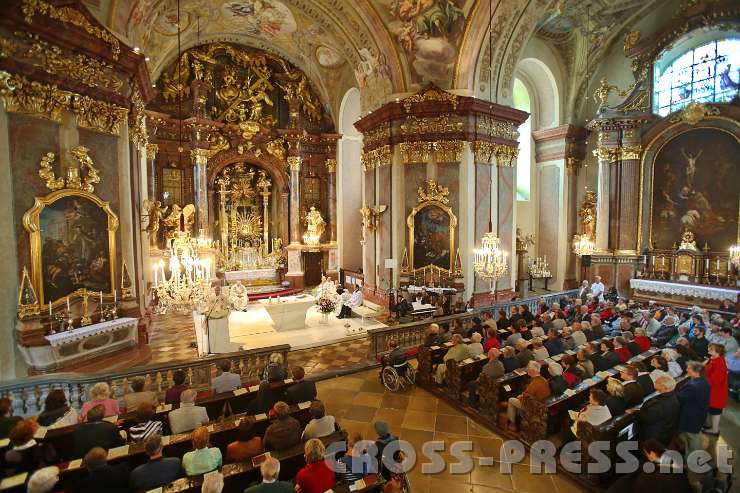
{"points": [[384, 47]]}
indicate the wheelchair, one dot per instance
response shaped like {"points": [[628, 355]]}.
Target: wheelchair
{"points": [[396, 377]]}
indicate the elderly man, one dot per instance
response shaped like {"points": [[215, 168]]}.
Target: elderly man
{"points": [[583, 291], [188, 416], [226, 381], [597, 289], [666, 331], [285, 432], [457, 352], [579, 338], [658, 417], [537, 388], [523, 353], [493, 369], [270, 471], [354, 301], [633, 392]]}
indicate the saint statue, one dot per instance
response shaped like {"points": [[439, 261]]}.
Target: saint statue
{"points": [[155, 211], [315, 224]]}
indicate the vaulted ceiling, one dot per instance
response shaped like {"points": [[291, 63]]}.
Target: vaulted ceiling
{"points": [[385, 47]]}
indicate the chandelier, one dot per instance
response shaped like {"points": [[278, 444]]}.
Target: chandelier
{"points": [[189, 282], [539, 269], [583, 245], [490, 259]]}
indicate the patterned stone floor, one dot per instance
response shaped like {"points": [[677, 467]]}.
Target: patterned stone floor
{"points": [[358, 400], [173, 337]]}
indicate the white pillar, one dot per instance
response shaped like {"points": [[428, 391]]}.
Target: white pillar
{"points": [[602, 206], [125, 212], [466, 218]]}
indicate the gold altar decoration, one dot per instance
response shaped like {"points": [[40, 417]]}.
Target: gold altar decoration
{"points": [[432, 194], [376, 158], [587, 214], [523, 242], [48, 101], [294, 163], [688, 242], [151, 151], [370, 215], [484, 152], [70, 15], [315, 226], [608, 154], [276, 148], [377, 135], [694, 112], [331, 165], [85, 319], [443, 151], [630, 40], [127, 287], [487, 125], [28, 302], [73, 185], [50, 58], [179, 218], [431, 93]]}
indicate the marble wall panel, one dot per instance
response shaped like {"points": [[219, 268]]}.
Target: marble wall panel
{"points": [[506, 197], [547, 239], [482, 214]]}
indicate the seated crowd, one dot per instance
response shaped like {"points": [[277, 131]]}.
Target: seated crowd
{"points": [[676, 393], [94, 436]]}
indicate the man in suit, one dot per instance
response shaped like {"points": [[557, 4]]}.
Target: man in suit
{"points": [[694, 399], [101, 476], [96, 433], [270, 470], [302, 390], [583, 291], [665, 332], [188, 416], [633, 393], [658, 417]]}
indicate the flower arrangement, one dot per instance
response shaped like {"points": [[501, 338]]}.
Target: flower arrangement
{"points": [[326, 304]]}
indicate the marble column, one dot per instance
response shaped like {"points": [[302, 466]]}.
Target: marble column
{"points": [[629, 194], [603, 193], [200, 189], [504, 205], [466, 219], [294, 163], [397, 213], [151, 159], [331, 169], [570, 192], [9, 269], [125, 206], [369, 252]]}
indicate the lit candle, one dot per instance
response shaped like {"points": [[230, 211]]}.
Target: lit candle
{"points": [[68, 303], [115, 296], [50, 308], [101, 297]]}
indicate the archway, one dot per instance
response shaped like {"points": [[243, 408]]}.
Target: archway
{"points": [[349, 182]]}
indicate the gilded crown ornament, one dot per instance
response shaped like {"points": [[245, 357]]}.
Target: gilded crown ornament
{"points": [[433, 191], [73, 178]]}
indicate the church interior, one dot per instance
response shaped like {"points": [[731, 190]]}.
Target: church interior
{"points": [[244, 233]]}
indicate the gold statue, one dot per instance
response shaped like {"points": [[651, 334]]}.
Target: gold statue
{"points": [[687, 241], [587, 213], [315, 225], [155, 211], [180, 219], [370, 216], [523, 242]]}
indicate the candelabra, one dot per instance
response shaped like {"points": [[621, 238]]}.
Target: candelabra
{"points": [[538, 269], [583, 245], [189, 282], [490, 260]]}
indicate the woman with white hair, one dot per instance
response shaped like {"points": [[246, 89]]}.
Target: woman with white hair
{"points": [[674, 369], [100, 395], [275, 370], [43, 480], [539, 351], [475, 347]]}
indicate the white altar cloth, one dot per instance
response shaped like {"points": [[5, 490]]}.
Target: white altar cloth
{"points": [[290, 312], [681, 289], [81, 333], [251, 275]]}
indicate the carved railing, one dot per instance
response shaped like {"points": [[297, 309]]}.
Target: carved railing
{"points": [[28, 394], [412, 334]]}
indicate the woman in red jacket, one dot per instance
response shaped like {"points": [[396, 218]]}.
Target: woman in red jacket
{"points": [[716, 374]]}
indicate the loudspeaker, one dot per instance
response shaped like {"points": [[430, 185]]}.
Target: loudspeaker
{"points": [[586, 261]]}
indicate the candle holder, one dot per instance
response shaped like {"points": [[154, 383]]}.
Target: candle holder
{"points": [[70, 322], [86, 318]]}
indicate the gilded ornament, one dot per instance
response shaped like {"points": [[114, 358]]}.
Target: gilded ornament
{"points": [[433, 191], [487, 125], [694, 112], [416, 152], [331, 165], [587, 213], [276, 148], [376, 158], [630, 40], [98, 115], [446, 123], [370, 215], [33, 98], [688, 242], [430, 94], [294, 163], [448, 151], [608, 154], [46, 172], [155, 213], [73, 179], [151, 151], [28, 302], [69, 15], [372, 138], [631, 152], [137, 123]]}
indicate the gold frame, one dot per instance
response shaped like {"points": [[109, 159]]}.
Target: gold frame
{"points": [[410, 225], [31, 222], [651, 146]]}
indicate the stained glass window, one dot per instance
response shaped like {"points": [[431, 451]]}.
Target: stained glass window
{"points": [[709, 73]]}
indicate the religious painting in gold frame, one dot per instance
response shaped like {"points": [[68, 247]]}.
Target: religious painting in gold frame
{"points": [[72, 236], [431, 227]]}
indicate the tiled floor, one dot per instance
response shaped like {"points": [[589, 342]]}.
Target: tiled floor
{"points": [[358, 400]]}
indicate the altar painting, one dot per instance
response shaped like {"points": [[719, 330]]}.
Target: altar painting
{"points": [[74, 235], [695, 187], [432, 237]]}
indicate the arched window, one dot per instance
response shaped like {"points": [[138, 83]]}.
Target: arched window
{"points": [[524, 160], [696, 70]]}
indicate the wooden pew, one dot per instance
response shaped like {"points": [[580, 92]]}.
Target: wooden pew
{"points": [[428, 357], [62, 439], [459, 374]]}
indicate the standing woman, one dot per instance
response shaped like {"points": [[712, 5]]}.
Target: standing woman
{"points": [[716, 374]]}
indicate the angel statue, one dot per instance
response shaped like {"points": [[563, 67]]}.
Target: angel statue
{"points": [[181, 219], [155, 211], [315, 224]]}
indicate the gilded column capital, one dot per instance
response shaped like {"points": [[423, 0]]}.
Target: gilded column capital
{"points": [[608, 154], [294, 163], [572, 165], [151, 151], [331, 165], [199, 156], [631, 152]]}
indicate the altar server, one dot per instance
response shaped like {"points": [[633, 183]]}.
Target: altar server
{"points": [[354, 300]]}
